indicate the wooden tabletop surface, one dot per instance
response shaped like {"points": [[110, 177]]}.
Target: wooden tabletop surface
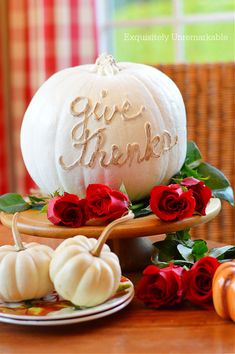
{"points": [[134, 329]]}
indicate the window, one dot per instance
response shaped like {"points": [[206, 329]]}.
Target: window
{"points": [[164, 31]]}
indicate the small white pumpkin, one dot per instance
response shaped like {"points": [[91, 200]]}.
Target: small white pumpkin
{"points": [[105, 123], [24, 269], [84, 270]]}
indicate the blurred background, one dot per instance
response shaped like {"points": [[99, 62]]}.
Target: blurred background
{"points": [[192, 41], [169, 31]]}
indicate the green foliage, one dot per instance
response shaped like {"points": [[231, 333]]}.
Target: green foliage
{"points": [[57, 193], [179, 249], [199, 249], [44, 208], [13, 202], [217, 181], [194, 166], [34, 199], [141, 208]]}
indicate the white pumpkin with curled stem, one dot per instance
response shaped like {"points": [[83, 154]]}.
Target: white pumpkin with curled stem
{"points": [[84, 270], [24, 269]]}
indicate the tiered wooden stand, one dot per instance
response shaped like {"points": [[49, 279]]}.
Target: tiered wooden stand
{"points": [[127, 240]]}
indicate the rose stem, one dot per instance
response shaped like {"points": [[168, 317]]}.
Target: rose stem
{"points": [[16, 234], [106, 232]]}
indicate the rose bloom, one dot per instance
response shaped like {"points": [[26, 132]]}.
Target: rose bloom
{"points": [[161, 287], [171, 203], [105, 203], [67, 210], [198, 281], [201, 193]]}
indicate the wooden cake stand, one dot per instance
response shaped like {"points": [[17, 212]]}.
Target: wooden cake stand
{"points": [[127, 240]]}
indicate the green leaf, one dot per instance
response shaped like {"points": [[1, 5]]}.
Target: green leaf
{"points": [[220, 251], [178, 262], [193, 155], [210, 175], [229, 254], [225, 194], [200, 249], [34, 199], [57, 193], [176, 248], [38, 206], [187, 171], [140, 205], [217, 181], [186, 253], [183, 263], [156, 262], [44, 209], [166, 250], [141, 208], [142, 212], [123, 189], [12, 203], [182, 235]]}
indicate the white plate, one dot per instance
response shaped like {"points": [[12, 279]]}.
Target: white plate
{"points": [[52, 308], [60, 322]]}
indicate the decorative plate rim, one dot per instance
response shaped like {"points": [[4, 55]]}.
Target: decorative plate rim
{"points": [[123, 295], [69, 321]]}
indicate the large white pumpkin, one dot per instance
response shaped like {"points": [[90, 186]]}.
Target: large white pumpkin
{"points": [[108, 123]]}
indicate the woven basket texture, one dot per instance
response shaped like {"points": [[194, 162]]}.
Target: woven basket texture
{"points": [[208, 91]]}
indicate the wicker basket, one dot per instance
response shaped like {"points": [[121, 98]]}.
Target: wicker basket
{"points": [[209, 95]]}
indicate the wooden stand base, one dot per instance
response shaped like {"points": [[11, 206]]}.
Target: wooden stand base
{"points": [[134, 253]]}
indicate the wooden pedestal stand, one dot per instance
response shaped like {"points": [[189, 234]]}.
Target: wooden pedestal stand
{"points": [[127, 240]]}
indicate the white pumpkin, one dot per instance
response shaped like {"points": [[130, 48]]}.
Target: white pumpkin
{"points": [[84, 270], [24, 269], [105, 123]]}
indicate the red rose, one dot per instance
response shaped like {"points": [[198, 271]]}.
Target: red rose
{"points": [[198, 281], [67, 210], [201, 193], [171, 203], [161, 287], [105, 203]]}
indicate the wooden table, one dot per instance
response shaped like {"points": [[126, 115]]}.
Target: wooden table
{"points": [[135, 329]]}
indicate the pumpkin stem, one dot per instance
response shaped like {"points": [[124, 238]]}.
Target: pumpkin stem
{"points": [[106, 232], [16, 234], [106, 65]]}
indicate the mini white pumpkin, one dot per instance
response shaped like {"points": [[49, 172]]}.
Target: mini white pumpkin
{"points": [[24, 269], [84, 270], [105, 123]]}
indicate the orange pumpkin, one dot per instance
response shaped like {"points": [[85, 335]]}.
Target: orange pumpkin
{"points": [[223, 288]]}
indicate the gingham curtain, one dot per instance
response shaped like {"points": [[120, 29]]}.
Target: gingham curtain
{"points": [[43, 36]]}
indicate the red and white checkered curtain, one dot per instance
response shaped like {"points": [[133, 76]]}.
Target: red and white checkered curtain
{"points": [[44, 36]]}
